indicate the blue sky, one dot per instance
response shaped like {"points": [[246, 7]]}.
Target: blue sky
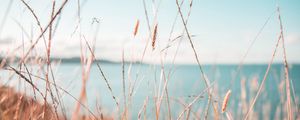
{"points": [[223, 29]]}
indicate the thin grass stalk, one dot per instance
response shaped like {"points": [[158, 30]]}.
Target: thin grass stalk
{"points": [[27, 80], [146, 45], [43, 79], [82, 95], [295, 102], [228, 115], [263, 80], [240, 65], [215, 102], [124, 85], [104, 77], [44, 30], [33, 89], [165, 87], [195, 99], [188, 114], [149, 28], [30, 78], [143, 109], [129, 102], [49, 64], [207, 107], [172, 31], [190, 111], [47, 48], [148, 39], [37, 20], [192, 46], [286, 71], [164, 90], [184, 105]]}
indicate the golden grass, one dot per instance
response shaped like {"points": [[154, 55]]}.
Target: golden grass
{"points": [[136, 27], [14, 105], [226, 100], [154, 35]]}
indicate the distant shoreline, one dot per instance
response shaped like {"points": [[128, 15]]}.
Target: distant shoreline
{"points": [[77, 60]]}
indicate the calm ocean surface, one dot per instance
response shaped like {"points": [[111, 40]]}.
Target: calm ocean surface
{"points": [[184, 82]]}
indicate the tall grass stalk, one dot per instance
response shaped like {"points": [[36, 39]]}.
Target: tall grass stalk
{"points": [[286, 71], [263, 80]]}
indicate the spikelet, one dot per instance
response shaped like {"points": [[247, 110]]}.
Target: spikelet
{"points": [[225, 101], [154, 37], [136, 27]]}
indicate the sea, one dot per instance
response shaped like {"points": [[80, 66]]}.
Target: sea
{"points": [[144, 84]]}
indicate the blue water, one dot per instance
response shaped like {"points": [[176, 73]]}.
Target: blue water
{"points": [[184, 82]]}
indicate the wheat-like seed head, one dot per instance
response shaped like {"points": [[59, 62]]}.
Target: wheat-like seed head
{"points": [[154, 37], [225, 101], [136, 27]]}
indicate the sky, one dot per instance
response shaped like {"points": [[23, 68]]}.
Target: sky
{"points": [[222, 30]]}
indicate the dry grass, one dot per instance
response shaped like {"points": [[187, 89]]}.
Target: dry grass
{"points": [[14, 105], [154, 35], [226, 100], [136, 28], [286, 70]]}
